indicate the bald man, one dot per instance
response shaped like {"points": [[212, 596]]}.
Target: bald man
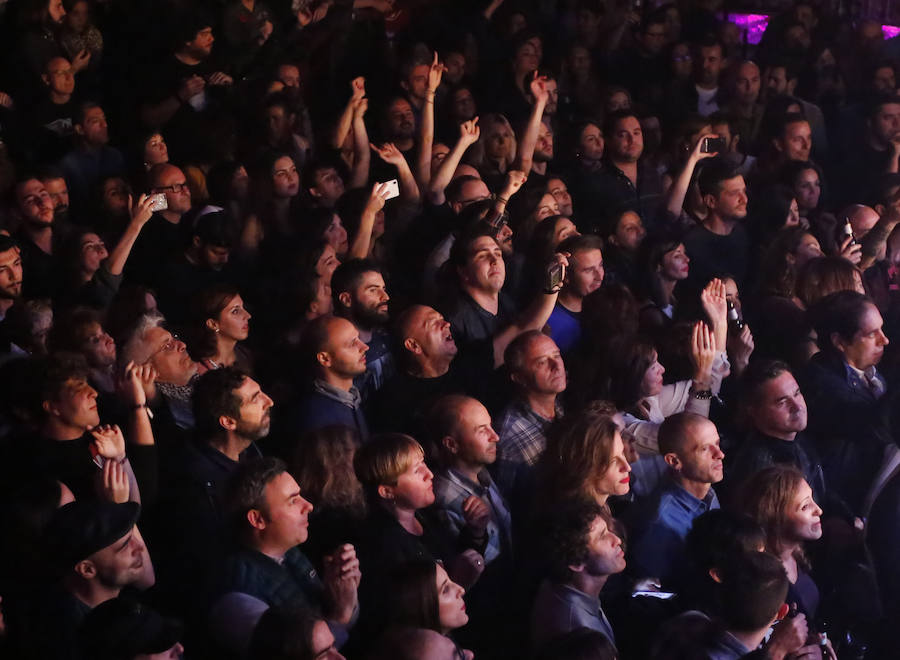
{"points": [[334, 355], [690, 445], [160, 241]]}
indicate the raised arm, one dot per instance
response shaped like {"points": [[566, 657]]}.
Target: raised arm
{"points": [[342, 128], [678, 189], [468, 135], [359, 175], [536, 315], [362, 242], [426, 128], [389, 153], [528, 141], [140, 214]]}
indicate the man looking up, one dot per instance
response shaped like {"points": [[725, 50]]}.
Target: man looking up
{"points": [[538, 373], [720, 244], [584, 276], [360, 296], [689, 443]]}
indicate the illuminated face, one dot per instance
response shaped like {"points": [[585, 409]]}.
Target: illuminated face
{"points": [[485, 268], [627, 141], [808, 190], [451, 606], [866, 348], [652, 383], [285, 178], [585, 272], [803, 519], [675, 264], [747, 84], [615, 479], [796, 142]]}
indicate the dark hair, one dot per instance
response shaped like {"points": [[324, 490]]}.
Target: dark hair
{"points": [[514, 355], [414, 596], [284, 632], [769, 210], [216, 229], [650, 257], [459, 253], [627, 360], [57, 371], [322, 463], [218, 180], [757, 374], [246, 488], [454, 189], [824, 275], [787, 120], [838, 313], [214, 396], [581, 243], [566, 540], [778, 274], [69, 331], [753, 589], [207, 304], [349, 274], [81, 111], [713, 173], [875, 106], [719, 534], [314, 339], [610, 311], [613, 118]]}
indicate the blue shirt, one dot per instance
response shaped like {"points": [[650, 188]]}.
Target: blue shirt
{"points": [[565, 327], [560, 608], [660, 532]]}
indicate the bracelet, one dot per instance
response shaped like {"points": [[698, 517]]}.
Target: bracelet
{"points": [[702, 395], [498, 198], [138, 406]]}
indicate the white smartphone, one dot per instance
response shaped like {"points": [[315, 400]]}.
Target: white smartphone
{"points": [[393, 189], [159, 202]]}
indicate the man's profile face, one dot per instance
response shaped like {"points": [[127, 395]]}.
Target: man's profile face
{"points": [[710, 64], [286, 512], [884, 81], [780, 409], [585, 272], [169, 357], [10, 274], [345, 352], [776, 80], [796, 141], [369, 302], [93, 127], [201, 45], [122, 563], [731, 202], [866, 348], [401, 121], [35, 203], [544, 371], [700, 455], [476, 440], [59, 195], [431, 331], [76, 405], [747, 83], [605, 554], [256, 411], [626, 144]]}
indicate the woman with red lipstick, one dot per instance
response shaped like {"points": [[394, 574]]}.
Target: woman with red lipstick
{"points": [[220, 322], [781, 502], [585, 458]]}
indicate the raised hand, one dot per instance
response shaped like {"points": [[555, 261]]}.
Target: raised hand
{"points": [[515, 179], [109, 442], [115, 487], [703, 352], [358, 87], [142, 211], [538, 87], [341, 577], [389, 153], [697, 152], [852, 252], [469, 132], [434, 74], [81, 61], [715, 303], [378, 197]]}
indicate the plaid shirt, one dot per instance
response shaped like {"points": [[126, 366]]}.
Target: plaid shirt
{"points": [[522, 441], [451, 489]]}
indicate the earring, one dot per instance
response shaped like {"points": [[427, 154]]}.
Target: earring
{"points": [[216, 331]]}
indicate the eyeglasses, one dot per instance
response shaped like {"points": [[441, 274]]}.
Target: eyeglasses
{"points": [[170, 346], [175, 187]]}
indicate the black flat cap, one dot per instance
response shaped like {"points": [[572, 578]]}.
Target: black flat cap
{"points": [[79, 529]]}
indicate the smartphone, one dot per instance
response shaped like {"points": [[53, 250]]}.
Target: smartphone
{"points": [[661, 595], [393, 189], [713, 145], [158, 202], [555, 276]]}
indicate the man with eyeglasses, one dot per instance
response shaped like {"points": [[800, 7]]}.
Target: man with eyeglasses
{"points": [[161, 240], [151, 344], [36, 237]]}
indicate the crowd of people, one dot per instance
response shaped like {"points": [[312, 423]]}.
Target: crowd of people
{"points": [[336, 328]]}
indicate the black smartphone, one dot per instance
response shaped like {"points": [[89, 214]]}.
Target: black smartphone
{"points": [[713, 145], [554, 276]]}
